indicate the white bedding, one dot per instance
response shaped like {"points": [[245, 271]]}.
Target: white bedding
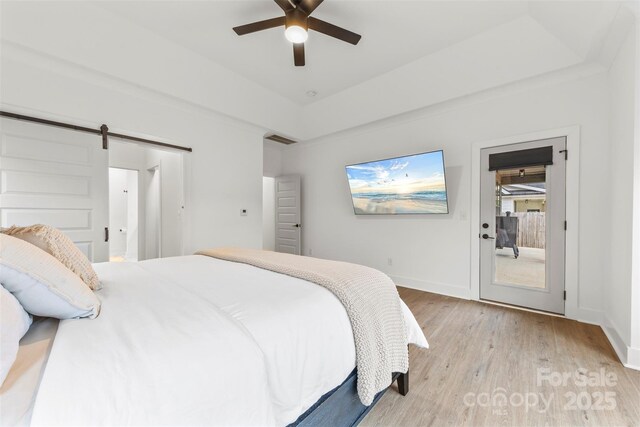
{"points": [[18, 392], [198, 341]]}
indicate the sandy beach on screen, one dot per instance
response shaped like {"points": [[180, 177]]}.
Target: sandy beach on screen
{"points": [[369, 206]]}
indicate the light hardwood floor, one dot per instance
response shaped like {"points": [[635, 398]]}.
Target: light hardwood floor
{"points": [[479, 352]]}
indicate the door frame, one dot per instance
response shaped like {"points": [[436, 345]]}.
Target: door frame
{"points": [[572, 134]]}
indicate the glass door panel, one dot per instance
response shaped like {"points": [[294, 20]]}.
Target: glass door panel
{"points": [[521, 204]]}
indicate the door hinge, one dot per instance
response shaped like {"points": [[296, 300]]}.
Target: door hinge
{"points": [[565, 295], [565, 225], [566, 154], [106, 234]]}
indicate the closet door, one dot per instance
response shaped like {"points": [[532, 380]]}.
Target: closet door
{"points": [[58, 177]]}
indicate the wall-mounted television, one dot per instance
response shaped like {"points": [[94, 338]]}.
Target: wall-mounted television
{"points": [[412, 184]]}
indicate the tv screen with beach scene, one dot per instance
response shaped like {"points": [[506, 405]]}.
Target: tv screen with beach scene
{"points": [[412, 184]]}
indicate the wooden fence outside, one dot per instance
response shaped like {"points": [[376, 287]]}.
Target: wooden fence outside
{"points": [[531, 229]]}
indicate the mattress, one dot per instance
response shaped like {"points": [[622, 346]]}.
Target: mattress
{"points": [[18, 392]]}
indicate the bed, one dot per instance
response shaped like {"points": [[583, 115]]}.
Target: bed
{"points": [[191, 340]]}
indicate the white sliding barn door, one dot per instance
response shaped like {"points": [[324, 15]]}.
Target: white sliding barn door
{"points": [[288, 214], [58, 177]]}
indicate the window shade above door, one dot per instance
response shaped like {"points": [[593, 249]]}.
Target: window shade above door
{"points": [[542, 156]]}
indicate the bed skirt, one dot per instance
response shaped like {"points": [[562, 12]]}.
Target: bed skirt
{"points": [[341, 407]]}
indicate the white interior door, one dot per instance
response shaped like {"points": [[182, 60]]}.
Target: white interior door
{"points": [[58, 177], [288, 214], [522, 229]]}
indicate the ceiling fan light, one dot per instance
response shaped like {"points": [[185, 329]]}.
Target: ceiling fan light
{"points": [[296, 34]]}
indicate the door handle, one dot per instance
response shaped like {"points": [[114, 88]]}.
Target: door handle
{"points": [[297, 225], [487, 237]]}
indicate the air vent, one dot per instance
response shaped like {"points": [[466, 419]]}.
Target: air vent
{"points": [[280, 139]]}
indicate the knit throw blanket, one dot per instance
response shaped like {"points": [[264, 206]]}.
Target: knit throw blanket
{"points": [[370, 298]]}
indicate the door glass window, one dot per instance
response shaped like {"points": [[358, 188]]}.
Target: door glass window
{"points": [[521, 205]]}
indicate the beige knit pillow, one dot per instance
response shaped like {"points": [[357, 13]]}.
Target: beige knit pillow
{"points": [[44, 286], [54, 242]]}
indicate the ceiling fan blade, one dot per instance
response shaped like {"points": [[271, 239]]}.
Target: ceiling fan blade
{"points": [[285, 5], [333, 31], [259, 26], [298, 54], [308, 6]]}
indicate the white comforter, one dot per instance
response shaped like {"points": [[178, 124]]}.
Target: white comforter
{"points": [[198, 341]]}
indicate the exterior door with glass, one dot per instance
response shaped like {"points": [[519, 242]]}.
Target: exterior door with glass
{"points": [[522, 229]]}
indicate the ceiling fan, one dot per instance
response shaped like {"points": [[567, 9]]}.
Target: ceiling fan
{"points": [[297, 22]]}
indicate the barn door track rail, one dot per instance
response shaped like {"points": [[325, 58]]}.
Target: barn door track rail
{"points": [[103, 131]]}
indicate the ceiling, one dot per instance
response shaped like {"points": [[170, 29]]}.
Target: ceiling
{"points": [[394, 33]]}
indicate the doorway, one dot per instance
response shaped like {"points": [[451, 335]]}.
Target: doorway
{"points": [[522, 230], [160, 197], [123, 214]]}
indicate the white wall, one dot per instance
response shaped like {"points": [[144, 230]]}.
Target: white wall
{"points": [[133, 223], [634, 354], [271, 168], [153, 217], [222, 175], [171, 198], [272, 162], [617, 291], [633, 358], [433, 252], [268, 213]]}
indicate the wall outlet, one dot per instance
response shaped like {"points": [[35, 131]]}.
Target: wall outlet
{"points": [[310, 252], [390, 261], [243, 212]]}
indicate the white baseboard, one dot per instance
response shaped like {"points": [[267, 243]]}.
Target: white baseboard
{"points": [[629, 356], [616, 340], [586, 315], [436, 288], [633, 358]]}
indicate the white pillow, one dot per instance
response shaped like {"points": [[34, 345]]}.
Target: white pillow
{"points": [[14, 323], [42, 284]]}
